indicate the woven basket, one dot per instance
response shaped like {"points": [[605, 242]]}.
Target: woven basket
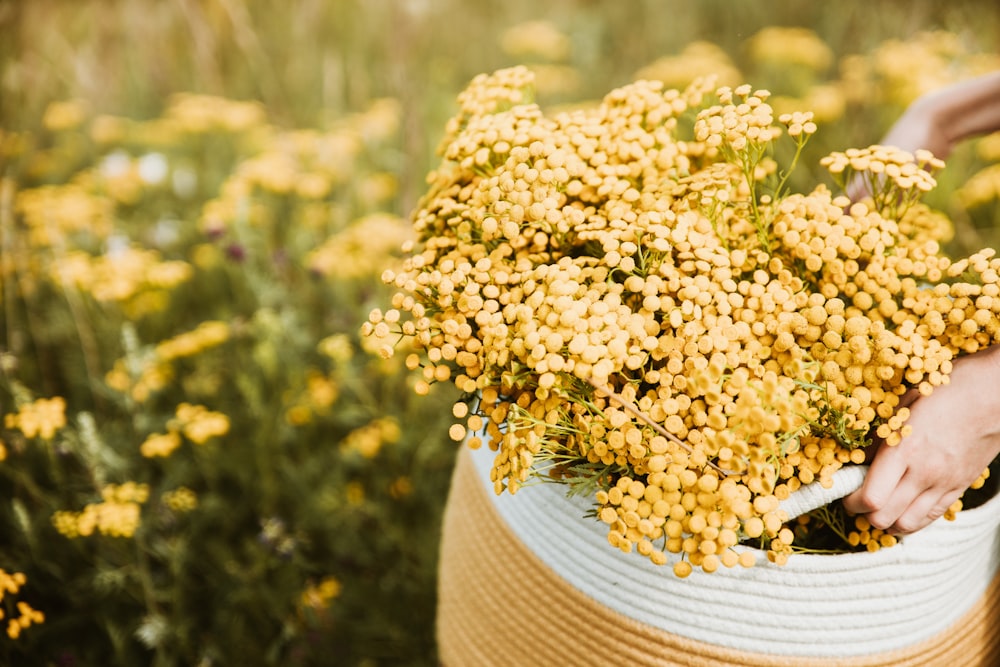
{"points": [[528, 580]]}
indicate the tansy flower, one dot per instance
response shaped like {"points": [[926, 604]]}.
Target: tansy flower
{"points": [[781, 45], [206, 335], [653, 318], [52, 212], [696, 60], [64, 115], [117, 516], [319, 595], [321, 389], [337, 347], [25, 618], [42, 418], [360, 249], [199, 424], [160, 444], [368, 440], [181, 499], [541, 39]]}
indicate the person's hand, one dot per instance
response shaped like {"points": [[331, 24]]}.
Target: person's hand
{"points": [[939, 120], [955, 435], [918, 128]]}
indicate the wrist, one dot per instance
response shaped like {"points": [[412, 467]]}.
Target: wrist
{"points": [[967, 109], [991, 356]]}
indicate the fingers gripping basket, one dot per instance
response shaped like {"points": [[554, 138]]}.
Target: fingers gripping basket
{"points": [[528, 580]]}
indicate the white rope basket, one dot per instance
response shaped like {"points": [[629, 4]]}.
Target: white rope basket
{"points": [[815, 605]]}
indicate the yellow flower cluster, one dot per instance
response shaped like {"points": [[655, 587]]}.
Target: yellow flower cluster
{"points": [[368, 439], [359, 250], [697, 60], [199, 424], [120, 275], [655, 320], [541, 39], [26, 617], [896, 177], [320, 393], [308, 165], [40, 418], [181, 499], [982, 188], [118, 515], [988, 147], [198, 114], [195, 422], [10, 584], [898, 71], [337, 348], [206, 335], [868, 536], [160, 444], [825, 100], [318, 596], [790, 44], [52, 213], [64, 115], [156, 371]]}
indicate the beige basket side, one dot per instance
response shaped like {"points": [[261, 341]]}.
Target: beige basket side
{"points": [[499, 604]]}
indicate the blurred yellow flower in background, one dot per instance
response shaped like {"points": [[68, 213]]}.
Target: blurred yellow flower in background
{"points": [[337, 347], [160, 444], [555, 79], [358, 251], [120, 274], [368, 439], [54, 212], [982, 188], [118, 515], [182, 499], [696, 60], [64, 115], [898, 71], [540, 39], [318, 596], [790, 44], [208, 334], [10, 585], [199, 424], [41, 418], [206, 113], [379, 122]]}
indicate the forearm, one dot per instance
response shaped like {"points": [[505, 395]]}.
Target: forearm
{"points": [[966, 109]]}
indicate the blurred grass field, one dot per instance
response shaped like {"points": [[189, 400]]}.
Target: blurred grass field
{"points": [[196, 201], [312, 60]]}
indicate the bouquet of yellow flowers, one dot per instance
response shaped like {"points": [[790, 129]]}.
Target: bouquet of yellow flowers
{"points": [[633, 304]]}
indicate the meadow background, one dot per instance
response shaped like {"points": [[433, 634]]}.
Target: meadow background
{"points": [[200, 461]]}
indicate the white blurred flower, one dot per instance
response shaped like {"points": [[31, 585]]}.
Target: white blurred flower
{"points": [[115, 164], [153, 168]]}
